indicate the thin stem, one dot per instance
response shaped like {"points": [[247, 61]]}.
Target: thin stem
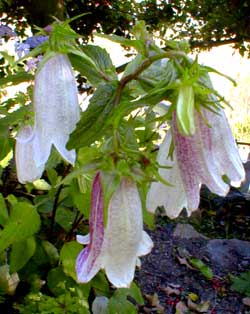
{"points": [[55, 208], [145, 64]]}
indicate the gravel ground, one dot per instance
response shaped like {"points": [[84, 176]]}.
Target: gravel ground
{"points": [[166, 268]]}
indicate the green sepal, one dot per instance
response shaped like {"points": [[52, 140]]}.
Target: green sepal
{"points": [[185, 110]]}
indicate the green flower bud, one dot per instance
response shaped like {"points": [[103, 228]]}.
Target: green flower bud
{"points": [[185, 110]]}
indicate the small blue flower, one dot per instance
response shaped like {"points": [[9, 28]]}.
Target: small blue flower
{"points": [[6, 31], [35, 41]]}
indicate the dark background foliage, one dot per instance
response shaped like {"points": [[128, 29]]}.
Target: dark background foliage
{"points": [[205, 24]]}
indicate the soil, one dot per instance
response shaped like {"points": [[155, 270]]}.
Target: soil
{"points": [[171, 285]]}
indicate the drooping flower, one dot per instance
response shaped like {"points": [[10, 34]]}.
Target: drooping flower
{"points": [[116, 247], [56, 108], [56, 114], [202, 158]]}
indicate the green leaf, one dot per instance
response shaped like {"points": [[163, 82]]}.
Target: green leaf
{"points": [[241, 283], [3, 211], [5, 145], [202, 267], [59, 283], [24, 221], [16, 78], [51, 251], [81, 199], [103, 69], [135, 292], [100, 284], [16, 116], [139, 45], [119, 304], [65, 217], [92, 124], [68, 255], [21, 252]]}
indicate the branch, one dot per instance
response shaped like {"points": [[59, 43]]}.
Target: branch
{"points": [[144, 65]]}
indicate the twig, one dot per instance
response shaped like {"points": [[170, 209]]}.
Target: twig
{"points": [[54, 209]]}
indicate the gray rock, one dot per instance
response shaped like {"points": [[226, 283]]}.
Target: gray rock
{"points": [[227, 255], [186, 231]]}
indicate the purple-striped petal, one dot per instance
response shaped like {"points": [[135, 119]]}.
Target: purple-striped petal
{"points": [[89, 260], [173, 198], [187, 157]]}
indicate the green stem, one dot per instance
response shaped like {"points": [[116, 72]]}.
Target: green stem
{"points": [[144, 65]]}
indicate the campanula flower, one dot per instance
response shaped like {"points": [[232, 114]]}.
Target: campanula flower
{"points": [[56, 114], [117, 246], [202, 158]]}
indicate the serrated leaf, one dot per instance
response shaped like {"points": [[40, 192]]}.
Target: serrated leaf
{"points": [[92, 124], [16, 78], [21, 252], [68, 255], [16, 116], [23, 222], [103, 70]]}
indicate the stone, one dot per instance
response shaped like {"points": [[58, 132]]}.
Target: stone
{"points": [[227, 255], [186, 231]]}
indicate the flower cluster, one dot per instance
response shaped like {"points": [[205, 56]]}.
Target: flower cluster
{"points": [[6, 31], [23, 49], [202, 158]]}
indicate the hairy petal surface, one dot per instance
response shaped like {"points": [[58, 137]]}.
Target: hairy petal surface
{"points": [[56, 107], [27, 170], [202, 158], [172, 198], [89, 260], [124, 234], [224, 146]]}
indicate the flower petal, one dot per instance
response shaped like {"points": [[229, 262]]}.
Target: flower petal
{"points": [[123, 234], [224, 146], [83, 239], [146, 244], [89, 260], [173, 198], [56, 107], [27, 170]]}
